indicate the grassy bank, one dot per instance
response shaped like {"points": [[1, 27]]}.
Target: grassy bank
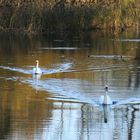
{"points": [[33, 16]]}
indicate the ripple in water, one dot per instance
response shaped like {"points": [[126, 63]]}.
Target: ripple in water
{"points": [[70, 90], [59, 68], [62, 89], [128, 40]]}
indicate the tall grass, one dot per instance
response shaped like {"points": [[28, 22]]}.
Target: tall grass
{"points": [[35, 16]]}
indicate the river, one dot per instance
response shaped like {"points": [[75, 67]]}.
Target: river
{"points": [[63, 102]]}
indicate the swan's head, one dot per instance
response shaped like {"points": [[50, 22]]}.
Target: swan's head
{"points": [[106, 88], [37, 61]]}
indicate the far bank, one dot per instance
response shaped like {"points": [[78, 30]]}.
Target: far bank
{"points": [[39, 16]]}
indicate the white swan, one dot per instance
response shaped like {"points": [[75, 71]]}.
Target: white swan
{"points": [[105, 99], [37, 70]]}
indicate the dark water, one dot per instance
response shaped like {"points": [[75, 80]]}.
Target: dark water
{"points": [[63, 102]]}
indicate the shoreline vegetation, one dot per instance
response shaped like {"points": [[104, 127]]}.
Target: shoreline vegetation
{"points": [[42, 16]]}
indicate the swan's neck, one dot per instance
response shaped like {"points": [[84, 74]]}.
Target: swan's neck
{"points": [[37, 65], [105, 98]]}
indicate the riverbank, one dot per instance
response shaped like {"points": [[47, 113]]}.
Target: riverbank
{"points": [[44, 16]]}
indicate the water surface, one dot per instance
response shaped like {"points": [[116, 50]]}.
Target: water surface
{"points": [[63, 102]]}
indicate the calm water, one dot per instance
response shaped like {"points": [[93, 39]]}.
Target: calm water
{"points": [[63, 102]]}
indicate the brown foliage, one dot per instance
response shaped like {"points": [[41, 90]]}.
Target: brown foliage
{"points": [[45, 15]]}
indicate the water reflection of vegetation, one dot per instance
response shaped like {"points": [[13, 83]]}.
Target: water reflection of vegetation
{"points": [[119, 120], [19, 103]]}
